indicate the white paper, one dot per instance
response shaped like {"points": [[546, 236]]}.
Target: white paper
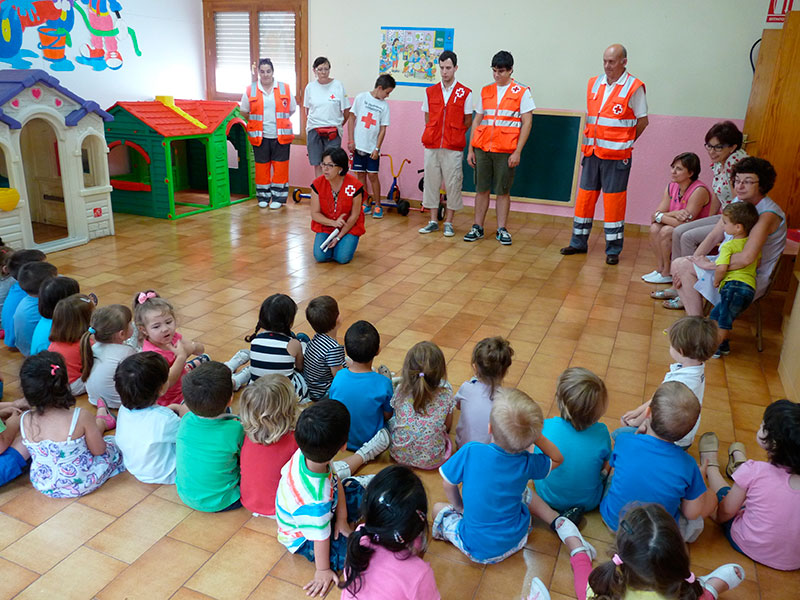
{"points": [[324, 245]]}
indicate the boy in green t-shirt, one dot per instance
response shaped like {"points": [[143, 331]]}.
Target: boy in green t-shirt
{"points": [[209, 441], [737, 287]]}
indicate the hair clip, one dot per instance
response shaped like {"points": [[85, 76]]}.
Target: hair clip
{"points": [[92, 330], [87, 299], [382, 500], [422, 515], [616, 560], [376, 538], [53, 369], [398, 538], [144, 297], [690, 578], [627, 527], [421, 374]]}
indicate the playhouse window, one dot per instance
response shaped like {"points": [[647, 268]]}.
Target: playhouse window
{"points": [[4, 180], [92, 156], [129, 167]]}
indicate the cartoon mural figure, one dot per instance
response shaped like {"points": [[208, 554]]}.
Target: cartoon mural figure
{"points": [[102, 30], [395, 54]]}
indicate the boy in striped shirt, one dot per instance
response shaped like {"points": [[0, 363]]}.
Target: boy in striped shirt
{"points": [[323, 356], [309, 492]]}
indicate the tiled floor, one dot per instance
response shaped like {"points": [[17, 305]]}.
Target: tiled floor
{"points": [[131, 540]]}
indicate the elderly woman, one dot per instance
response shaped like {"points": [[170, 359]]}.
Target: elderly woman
{"points": [[753, 178], [724, 147], [685, 199], [327, 108], [336, 199]]}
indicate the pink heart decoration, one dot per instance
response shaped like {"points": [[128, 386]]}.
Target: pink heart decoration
{"points": [[58, 102], [36, 92], [15, 103]]}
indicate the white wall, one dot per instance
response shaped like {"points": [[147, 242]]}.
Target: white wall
{"points": [[170, 34], [692, 55]]}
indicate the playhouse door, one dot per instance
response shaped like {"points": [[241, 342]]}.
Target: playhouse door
{"points": [[43, 181]]}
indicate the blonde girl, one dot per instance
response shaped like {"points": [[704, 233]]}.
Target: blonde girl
{"points": [[71, 319], [491, 359], [268, 410], [109, 327], [423, 407]]}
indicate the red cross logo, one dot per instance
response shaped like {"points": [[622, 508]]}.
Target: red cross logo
{"points": [[333, 96], [350, 190], [515, 89], [460, 92], [368, 121], [617, 109]]}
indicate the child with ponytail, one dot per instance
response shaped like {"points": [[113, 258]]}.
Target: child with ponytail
{"points": [[71, 320], [110, 326]]}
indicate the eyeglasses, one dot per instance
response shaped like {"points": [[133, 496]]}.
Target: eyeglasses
{"points": [[327, 165], [717, 147], [737, 181], [322, 69]]}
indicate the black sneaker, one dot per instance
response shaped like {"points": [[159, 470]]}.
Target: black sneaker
{"points": [[503, 236], [474, 234], [723, 350]]}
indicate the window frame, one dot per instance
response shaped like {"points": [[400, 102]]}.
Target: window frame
{"points": [[253, 7]]}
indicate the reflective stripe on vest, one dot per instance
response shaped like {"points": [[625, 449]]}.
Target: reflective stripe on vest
{"points": [[284, 125], [611, 127], [255, 122]]}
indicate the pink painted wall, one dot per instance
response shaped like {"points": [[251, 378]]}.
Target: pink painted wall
{"points": [[665, 137]]}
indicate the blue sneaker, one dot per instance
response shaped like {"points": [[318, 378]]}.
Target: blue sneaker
{"points": [[367, 208], [723, 350], [377, 212]]}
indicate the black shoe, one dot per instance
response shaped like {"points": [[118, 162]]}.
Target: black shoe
{"points": [[612, 259], [569, 250], [574, 514]]}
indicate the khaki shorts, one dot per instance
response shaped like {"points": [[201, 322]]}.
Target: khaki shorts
{"points": [[492, 172]]}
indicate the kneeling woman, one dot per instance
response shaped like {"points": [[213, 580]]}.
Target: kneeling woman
{"points": [[336, 199]]}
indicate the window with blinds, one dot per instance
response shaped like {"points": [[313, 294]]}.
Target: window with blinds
{"points": [[276, 41], [232, 34]]}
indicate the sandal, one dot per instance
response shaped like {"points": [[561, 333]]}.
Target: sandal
{"points": [[665, 294], [538, 590], [566, 528], [732, 574], [673, 304], [733, 464], [709, 442], [110, 421]]}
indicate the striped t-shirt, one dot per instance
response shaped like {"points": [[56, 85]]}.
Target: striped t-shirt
{"points": [[304, 504], [322, 353], [268, 354]]}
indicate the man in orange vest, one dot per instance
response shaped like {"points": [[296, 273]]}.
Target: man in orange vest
{"points": [[448, 115], [617, 116], [499, 132], [268, 106]]}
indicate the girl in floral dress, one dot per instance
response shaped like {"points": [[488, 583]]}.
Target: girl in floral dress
{"points": [[423, 410], [70, 457]]}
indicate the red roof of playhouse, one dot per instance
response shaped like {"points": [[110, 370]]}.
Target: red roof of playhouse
{"points": [[169, 123]]}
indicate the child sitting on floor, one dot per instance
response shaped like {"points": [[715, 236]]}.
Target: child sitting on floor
{"points": [[314, 507], [692, 341], [324, 356], [423, 409], [51, 292], [491, 359], [146, 431], [649, 467], [14, 456], [209, 441], [760, 512], [27, 317], [268, 410], [71, 320], [110, 327], [585, 443], [15, 293], [490, 517]]}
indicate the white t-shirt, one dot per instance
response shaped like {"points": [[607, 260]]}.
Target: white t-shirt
{"points": [[101, 380], [446, 93], [325, 104], [695, 379], [270, 126], [370, 113], [146, 437], [526, 103], [638, 101]]}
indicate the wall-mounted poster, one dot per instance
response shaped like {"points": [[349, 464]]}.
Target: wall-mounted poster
{"points": [[410, 54]]}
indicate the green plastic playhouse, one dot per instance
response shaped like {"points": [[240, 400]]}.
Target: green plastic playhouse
{"points": [[174, 158]]}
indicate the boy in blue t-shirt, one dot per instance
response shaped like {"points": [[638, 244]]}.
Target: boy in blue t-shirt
{"points": [[366, 394], [14, 456], [26, 316], [649, 467], [15, 293], [489, 518]]}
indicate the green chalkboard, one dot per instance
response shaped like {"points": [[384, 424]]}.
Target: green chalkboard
{"points": [[548, 169]]}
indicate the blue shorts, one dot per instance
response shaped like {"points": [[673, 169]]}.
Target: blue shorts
{"points": [[12, 465], [726, 526], [735, 297], [364, 162]]}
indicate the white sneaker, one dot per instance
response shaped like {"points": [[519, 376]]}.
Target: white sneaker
{"points": [[538, 590], [263, 204], [375, 446], [652, 273], [448, 230], [341, 468], [275, 205], [657, 278], [241, 379], [237, 360], [430, 227]]}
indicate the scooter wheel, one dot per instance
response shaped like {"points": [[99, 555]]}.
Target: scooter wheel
{"points": [[403, 206]]}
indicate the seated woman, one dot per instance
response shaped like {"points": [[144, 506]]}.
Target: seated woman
{"points": [[724, 147], [336, 206], [753, 178], [685, 199]]}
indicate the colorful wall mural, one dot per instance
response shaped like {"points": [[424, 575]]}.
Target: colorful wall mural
{"points": [[91, 33]]}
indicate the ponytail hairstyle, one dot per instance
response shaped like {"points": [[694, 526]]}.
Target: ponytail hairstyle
{"points": [[423, 371], [71, 318], [491, 358], [140, 298], [105, 322], [276, 314], [44, 382], [395, 511], [650, 555]]}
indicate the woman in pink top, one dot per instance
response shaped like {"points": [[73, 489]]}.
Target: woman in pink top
{"points": [[760, 512], [685, 199]]}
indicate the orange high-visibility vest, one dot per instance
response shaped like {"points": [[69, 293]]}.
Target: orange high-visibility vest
{"points": [[499, 128], [611, 129], [445, 127], [283, 104]]}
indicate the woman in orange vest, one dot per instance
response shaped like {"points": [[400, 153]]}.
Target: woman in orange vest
{"points": [[268, 106]]}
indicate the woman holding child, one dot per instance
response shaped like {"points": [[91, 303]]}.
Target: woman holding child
{"points": [[336, 207]]}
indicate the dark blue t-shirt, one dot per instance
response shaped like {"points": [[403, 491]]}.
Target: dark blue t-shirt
{"points": [[367, 396]]}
